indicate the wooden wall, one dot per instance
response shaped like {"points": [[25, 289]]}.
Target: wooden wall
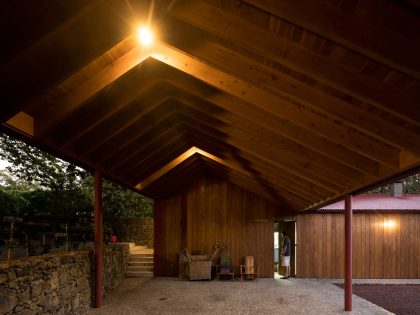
{"points": [[378, 251], [211, 210]]}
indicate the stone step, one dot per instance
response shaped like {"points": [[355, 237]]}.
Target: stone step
{"points": [[139, 268], [146, 256], [130, 245], [140, 274], [140, 263], [140, 248], [142, 253], [140, 259]]}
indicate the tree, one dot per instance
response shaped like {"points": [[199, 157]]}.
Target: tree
{"points": [[12, 203], [411, 185], [37, 167], [38, 183], [119, 201], [8, 182]]}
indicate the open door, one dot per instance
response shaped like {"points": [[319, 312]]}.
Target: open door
{"points": [[290, 227]]}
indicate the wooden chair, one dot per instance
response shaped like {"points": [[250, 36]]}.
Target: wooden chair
{"points": [[225, 269], [199, 268], [249, 271], [194, 267]]}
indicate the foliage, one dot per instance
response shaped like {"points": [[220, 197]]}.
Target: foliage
{"points": [[43, 202], [12, 203], [411, 185], [37, 183], [107, 231], [382, 190], [37, 167], [122, 202], [8, 182]]}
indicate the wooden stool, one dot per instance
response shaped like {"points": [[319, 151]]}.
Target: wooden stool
{"points": [[248, 271]]}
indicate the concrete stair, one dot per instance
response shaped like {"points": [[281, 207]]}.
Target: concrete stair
{"points": [[140, 262]]}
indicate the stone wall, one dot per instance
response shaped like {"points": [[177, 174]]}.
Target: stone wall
{"points": [[115, 265], [55, 283], [134, 230], [58, 283]]}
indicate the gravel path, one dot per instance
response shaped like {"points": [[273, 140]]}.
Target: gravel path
{"points": [[266, 296]]}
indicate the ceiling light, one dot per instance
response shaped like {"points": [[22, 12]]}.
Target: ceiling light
{"points": [[145, 36]]}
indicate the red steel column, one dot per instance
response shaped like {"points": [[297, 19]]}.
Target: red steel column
{"points": [[349, 255], [98, 239], [157, 238]]}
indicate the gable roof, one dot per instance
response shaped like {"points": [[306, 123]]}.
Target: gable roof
{"points": [[299, 102], [409, 202]]}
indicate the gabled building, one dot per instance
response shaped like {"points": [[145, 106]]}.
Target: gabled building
{"points": [[386, 238]]}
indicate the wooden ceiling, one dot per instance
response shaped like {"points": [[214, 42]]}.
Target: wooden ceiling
{"points": [[300, 102]]}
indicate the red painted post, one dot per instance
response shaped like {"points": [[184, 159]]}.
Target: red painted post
{"points": [[98, 239], [157, 238], [349, 255]]}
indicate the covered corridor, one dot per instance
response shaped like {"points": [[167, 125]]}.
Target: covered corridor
{"points": [[238, 111]]}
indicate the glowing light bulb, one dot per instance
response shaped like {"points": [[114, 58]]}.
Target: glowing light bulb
{"points": [[145, 36], [389, 224]]}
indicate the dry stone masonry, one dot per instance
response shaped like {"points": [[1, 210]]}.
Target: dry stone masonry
{"points": [[115, 265], [134, 230], [58, 283]]}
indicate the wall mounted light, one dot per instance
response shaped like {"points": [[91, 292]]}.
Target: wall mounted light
{"points": [[389, 224]]}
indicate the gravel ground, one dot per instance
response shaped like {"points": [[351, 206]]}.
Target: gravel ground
{"points": [[266, 296]]}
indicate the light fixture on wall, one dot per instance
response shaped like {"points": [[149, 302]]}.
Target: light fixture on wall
{"points": [[390, 224]]}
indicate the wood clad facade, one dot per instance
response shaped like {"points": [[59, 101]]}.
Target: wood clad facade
{"points": [[210, 210], [379, 251]]}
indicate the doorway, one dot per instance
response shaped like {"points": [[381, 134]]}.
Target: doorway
{"points": [[290, 227], [277, 249]]}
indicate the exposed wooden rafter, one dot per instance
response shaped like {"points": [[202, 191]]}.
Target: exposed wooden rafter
{"points": [[275, 105], [349, 29], [283, 99], [296, 57], [301, 92]]}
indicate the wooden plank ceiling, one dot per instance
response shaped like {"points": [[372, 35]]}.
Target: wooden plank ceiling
{"points": [[300, 102]]}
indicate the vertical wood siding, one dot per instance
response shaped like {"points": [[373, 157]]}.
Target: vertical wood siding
{"points": [[167, 236], [214, 210], [378, 251]]}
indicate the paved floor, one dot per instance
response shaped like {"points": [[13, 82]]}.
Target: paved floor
{"points": [[266, 296]]}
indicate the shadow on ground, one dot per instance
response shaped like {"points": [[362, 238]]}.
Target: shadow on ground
{"points": [[266, 296], [401, 299]]}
